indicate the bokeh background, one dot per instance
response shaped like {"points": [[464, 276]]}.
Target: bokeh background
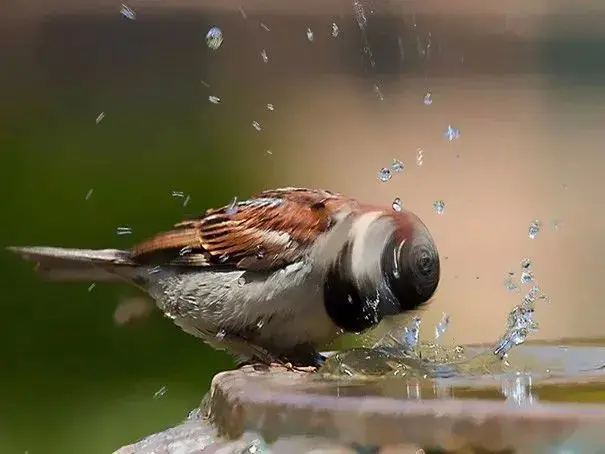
{"points": [[522, 81]]}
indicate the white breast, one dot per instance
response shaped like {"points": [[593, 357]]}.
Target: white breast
{"points": [[280, 310]]}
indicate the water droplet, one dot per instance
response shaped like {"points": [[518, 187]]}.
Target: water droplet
{"points": [[384, 175], [452, 133], [441, 327], [186, 201], [214, 38], [397, 166], [241, 281], [397, 205], [260, 252], [527, 277], [127, 12], [185, 250], [221, 335], [260, 324], [439, 206], [214, 99], [123, 230], [223, 258], [509, 284], [205, 84], [270, 107], [89, 193], [526, 264], [419, 156], [556, 225], [411, 334], [91, 286], [264, 56], [100, 117], [428, 98], [160, 392], [178, 194], [256, 125], [265, 27], [379, 94], [243, 13], [534, 229], [269, 152], [232, 208], [335, 30], [309, 34]]}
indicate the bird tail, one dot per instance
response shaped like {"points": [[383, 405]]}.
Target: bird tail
{"points": [[65, 264]]}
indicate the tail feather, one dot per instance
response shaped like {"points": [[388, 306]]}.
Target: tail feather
{"points": [[66, 264]]}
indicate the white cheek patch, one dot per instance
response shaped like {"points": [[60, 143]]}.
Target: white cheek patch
{"points": [[369, 235]]}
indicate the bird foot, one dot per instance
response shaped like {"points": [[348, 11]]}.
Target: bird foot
{"points": [[291, 368]]}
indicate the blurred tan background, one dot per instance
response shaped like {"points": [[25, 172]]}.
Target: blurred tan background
{"points": [[521, 80]]}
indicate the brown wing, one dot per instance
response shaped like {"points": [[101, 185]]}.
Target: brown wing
{"points": [[270, 230]]}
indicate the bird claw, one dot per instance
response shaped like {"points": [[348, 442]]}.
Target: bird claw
{"points": [[289, 367]]}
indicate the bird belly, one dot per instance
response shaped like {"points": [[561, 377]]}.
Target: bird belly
{"points": [[279, 310]]}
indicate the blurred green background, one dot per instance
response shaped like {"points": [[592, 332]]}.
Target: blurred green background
{"points": [[73, 381]]}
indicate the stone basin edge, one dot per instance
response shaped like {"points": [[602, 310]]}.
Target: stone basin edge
{"points": [[246, 400]]}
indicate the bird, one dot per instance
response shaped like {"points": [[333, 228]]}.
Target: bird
{"points": [[273, 278]]}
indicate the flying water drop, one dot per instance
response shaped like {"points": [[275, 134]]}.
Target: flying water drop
{"points": [[100, 117], [397, 205], [335, 30], [127, 12], [419, 156], [534, 229], [123, 230], [452, 133], [428, 98], [270, 107], [256, 125], [439, 206], [214, 38], [232, 208], [264, 56], [309, 34], [397, 166], [214, 99], [384, 174]]}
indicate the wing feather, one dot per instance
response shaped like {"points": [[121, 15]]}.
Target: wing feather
{"points": [[272, 229]]}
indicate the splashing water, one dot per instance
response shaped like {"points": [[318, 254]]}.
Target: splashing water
{"points": [[411, 335], [441, 327], [214, 38]]}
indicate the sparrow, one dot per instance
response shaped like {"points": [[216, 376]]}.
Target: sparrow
{"points": [[273, 278]]}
